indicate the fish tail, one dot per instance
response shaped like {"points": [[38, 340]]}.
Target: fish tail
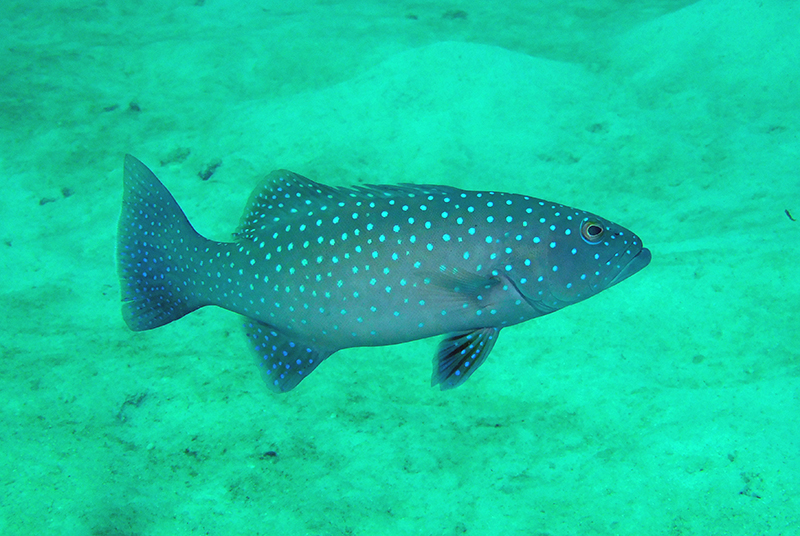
{"points": [[154, 241]]}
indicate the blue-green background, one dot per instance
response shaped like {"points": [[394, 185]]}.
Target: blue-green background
{"points": [[668, 405]]}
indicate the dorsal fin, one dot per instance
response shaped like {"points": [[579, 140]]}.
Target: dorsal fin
{"points": [[281, 195], [284, 197]]}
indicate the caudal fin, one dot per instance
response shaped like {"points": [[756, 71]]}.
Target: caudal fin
{"points": [[154, 241]]}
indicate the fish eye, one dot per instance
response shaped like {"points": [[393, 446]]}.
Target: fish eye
{"points": [[592, 231]]}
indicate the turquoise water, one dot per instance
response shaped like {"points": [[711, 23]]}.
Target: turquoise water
{"points": [[667, 405]]}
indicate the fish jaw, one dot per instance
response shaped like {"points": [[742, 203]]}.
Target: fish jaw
{"points": [[639, 261]]}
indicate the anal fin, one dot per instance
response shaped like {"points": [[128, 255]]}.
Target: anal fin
{"points": [[459, 354], [283, 362]]}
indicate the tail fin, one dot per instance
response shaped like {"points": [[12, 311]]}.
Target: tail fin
{"points": [[154, 241]]}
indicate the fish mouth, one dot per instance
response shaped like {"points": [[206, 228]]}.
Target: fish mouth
{"points": [[639, 261]]}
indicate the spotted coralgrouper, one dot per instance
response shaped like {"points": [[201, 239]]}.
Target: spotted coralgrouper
{"points": [[316, 269]]}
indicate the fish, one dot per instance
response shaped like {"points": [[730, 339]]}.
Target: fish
{"points": [[315, 269]]}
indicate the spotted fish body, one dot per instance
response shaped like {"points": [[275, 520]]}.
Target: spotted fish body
{"points": [[316, 269]]}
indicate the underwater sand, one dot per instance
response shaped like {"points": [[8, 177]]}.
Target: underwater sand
{"points": [[667, 405]]}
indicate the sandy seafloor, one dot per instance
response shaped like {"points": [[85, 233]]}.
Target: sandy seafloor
{"points": [[667, 405]]}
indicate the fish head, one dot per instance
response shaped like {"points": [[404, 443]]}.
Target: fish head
{"points": [[573, 255]]}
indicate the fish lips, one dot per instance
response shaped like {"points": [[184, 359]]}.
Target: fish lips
{"points": [[639, 261]]}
